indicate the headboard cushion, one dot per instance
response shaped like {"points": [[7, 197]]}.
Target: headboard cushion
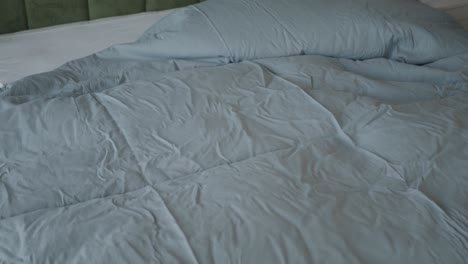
{"points": [[12, 16], [16, 15], [107, 8], [157, 5], [44, 13]]}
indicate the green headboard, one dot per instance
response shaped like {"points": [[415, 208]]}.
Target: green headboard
{"points": [[16, 15]]}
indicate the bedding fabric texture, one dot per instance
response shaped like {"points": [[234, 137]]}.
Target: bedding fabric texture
{"points": [[247, 131]]}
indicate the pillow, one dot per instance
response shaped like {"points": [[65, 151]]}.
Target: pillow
{"points": [[401, 30]]}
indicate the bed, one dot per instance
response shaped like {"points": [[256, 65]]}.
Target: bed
{"points": [[248, 131]]}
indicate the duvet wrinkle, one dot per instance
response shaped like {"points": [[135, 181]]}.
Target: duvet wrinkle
{"points": [[115, 100], [100, 168], [460, 235], [380, 111], [95, 97], [6, 194], [348, 137], [265, 79], [442, 209], [169, 145], [220, 154]]}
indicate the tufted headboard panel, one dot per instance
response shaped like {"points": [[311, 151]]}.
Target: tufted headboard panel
{"points": [[16, 15]]}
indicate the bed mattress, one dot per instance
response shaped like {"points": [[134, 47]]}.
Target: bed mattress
{"points": [[35, 51]]}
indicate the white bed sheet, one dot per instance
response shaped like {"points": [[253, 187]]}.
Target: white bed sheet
{"points": [[35, 51]]}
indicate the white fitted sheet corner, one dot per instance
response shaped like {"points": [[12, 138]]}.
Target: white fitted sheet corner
{"points": [[35, 51]]}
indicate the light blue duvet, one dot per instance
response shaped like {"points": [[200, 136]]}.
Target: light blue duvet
{"points": [[247, 131]]}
